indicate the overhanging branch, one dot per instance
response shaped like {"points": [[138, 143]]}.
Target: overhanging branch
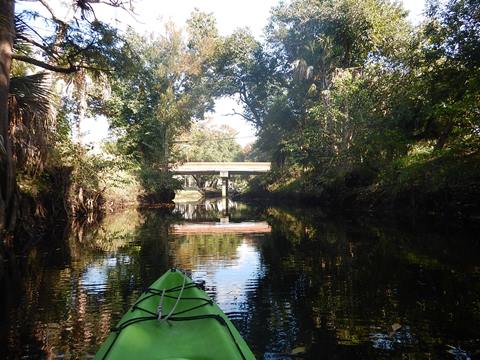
{"points": [[247, 118], [34, 43], [60, 69]]}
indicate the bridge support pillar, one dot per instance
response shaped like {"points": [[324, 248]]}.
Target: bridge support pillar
{"points": [[224, 175]]}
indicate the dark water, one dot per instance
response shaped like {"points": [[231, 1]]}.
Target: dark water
{"points": [[294, 282]]}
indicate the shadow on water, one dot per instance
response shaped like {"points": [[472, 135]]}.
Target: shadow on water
{"points": [[303, 287]]}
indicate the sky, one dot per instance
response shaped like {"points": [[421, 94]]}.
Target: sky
{"points": [[230, 15]]}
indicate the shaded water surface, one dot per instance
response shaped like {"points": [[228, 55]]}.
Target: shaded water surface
{"points": [[296, 285]]}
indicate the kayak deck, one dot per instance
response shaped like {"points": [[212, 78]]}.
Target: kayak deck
{"points": [[191, 327]]}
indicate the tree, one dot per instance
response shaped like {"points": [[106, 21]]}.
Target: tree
{"points": [[450, 73], [206, 144], [320, 45], [70, 46], [360, 97], [7, 185], [202, 143], [247, 72], [155, 100]]}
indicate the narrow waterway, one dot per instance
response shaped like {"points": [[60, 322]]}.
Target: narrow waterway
{"points": [[295, 283]]}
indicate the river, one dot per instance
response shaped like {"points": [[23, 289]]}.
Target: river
{"points": [[296, 283]]}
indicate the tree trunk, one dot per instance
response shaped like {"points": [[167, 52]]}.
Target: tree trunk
{"points": [[7, 173], [442, 139], [81, 89], [166, 150]]}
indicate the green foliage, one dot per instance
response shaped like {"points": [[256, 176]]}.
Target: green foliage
{"points": [[450, 77], [356, 92], [245, 70], [36, 154], [202, 143], [343, 94], [157, 181], [155, 100], [85, 180], [325, 35], [31, 120], [68, 45], [432, 171]]}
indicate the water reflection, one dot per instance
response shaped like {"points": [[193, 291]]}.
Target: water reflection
{"points": [[95, 277], [231, 275], [207, 209], [305, 285], [217, 209]]}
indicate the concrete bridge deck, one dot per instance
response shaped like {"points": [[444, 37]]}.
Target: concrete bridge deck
{"points": [[224, 169]]}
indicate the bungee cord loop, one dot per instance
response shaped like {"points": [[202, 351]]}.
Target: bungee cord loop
{"points": [[160, 305]]}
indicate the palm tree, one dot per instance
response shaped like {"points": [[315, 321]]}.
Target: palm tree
{"points": [[7, 173]]}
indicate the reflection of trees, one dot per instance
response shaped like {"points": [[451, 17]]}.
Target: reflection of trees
{"points": [[115, 231], [153, 243], [58, 308], [189, 250], [206, 210], [330, 286]]}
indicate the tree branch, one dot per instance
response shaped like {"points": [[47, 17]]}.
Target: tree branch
{"points": [[94, 68], [114, 3], [126, 5], [88, 47], [31, 29], [34, 43], [242, 115], [52, 13], [243, 94], [64, 70]]}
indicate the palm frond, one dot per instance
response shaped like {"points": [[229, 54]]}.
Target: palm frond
{"points": [[22, 32], [31, 120], [32, 94], [21, 27]]}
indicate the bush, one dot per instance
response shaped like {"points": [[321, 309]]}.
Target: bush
{"points": [[159, 186]]}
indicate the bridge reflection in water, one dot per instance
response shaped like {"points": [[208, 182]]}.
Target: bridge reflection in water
{"points": [[218, 242], [259, 227], [212, 216]]}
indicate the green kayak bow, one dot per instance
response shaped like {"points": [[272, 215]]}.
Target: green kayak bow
{"points": [[176, 320]]}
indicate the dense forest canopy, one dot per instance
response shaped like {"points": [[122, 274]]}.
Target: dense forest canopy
{"points": [[361, 97], [347, 97]]}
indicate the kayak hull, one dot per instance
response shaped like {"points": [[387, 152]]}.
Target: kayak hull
{"points": [[191, 326]]}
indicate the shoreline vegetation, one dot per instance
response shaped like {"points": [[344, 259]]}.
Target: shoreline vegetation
{"points": [[445, 187], [356, 108]]}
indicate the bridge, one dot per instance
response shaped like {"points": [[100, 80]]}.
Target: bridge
{"points": [[223, 169]]}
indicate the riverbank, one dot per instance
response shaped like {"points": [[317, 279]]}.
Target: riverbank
{"points": [[458, 203], [445, 187]]}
